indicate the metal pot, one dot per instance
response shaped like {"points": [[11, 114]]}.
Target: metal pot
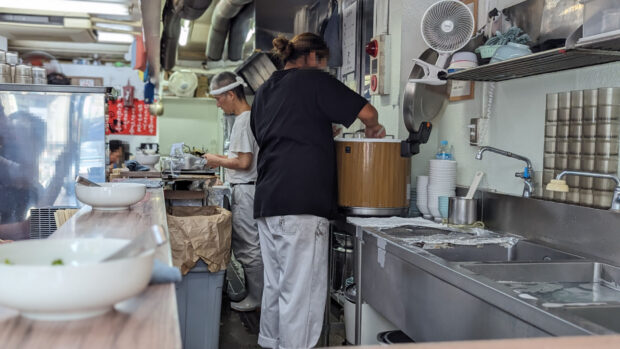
{"points": [[551, 115], [606, 165], [609, 96], [462, 211], [588, 146], [576, 114], [589, 130], [590, 98], [563, 129], [587, 163], [574, 146], [608, 129], [564, 115], [575, 130], [607, 147], [590, 114]]}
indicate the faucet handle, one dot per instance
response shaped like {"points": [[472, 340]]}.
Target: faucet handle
{"points": [[525, 174]]}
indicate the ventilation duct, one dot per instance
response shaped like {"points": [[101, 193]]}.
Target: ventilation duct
{"points": [[224, 11], [191, 9], [170, 36], [240, 27]]}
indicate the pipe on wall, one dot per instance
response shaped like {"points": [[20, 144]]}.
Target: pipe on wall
{"points": [[224, 11]]}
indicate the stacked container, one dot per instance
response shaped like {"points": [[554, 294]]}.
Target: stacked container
{"points": [[581, 134], [607, 131]]}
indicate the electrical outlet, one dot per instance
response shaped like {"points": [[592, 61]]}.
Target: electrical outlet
{"points": [[479, 132]]}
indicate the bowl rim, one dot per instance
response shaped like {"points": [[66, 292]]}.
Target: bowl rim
{"points": [[145, 254]]}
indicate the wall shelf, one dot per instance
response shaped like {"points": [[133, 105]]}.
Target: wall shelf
{"points": [[581, 55]]}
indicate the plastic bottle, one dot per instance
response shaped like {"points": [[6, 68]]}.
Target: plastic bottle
{"points": [[444, 151]]}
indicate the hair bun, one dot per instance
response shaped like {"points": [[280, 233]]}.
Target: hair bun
{"points": [[282, 47]]}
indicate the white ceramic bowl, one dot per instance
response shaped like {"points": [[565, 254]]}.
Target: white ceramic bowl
{"points": [[80, 288], [147, 160], [111, 196]]}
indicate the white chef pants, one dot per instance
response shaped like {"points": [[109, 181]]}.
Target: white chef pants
{"points": [[294, 252], [245, 241]]}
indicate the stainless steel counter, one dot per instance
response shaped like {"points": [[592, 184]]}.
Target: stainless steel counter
{"points": [[432, 299]]}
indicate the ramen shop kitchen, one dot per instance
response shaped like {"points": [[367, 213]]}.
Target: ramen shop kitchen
{"points": [[309, 173]]}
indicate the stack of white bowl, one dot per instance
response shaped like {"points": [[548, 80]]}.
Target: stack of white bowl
{"points": [[442, 182], [422, 196]]}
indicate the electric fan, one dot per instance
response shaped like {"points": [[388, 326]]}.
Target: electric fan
{"points": [[446, 27]]}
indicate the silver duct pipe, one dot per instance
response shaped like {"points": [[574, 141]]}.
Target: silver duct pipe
{"points": [[224, 11]]}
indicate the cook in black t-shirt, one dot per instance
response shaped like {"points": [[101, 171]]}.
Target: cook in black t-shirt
{"points": [[292, 118]]}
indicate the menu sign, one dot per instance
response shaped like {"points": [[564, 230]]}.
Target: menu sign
{"points": [[136, 120]]}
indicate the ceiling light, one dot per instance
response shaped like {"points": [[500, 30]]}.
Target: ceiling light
{"points": [[93, 7], [184, 35], [114, 37]]}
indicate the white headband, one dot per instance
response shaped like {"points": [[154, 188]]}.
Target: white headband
{"points": [[239, 82]]}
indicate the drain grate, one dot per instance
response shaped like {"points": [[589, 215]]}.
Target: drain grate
{"points": [[42, 222]]}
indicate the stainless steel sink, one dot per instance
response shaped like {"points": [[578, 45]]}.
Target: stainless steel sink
{"points": [[608, 317], [555, 284], [522, 251], [547, 272]]}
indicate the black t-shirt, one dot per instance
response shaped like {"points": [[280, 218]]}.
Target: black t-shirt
{"points": [[292, 118]]}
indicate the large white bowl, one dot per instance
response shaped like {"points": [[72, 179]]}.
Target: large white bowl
{"points": [[147, 160], [111, 196], [81, 288]]}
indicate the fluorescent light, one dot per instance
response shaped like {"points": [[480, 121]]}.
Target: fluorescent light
{"points": [[115, 26], [184, 35], [114, 37], [93, 7]]}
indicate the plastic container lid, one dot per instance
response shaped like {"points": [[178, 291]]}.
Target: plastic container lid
{"points": [[444, 142]]}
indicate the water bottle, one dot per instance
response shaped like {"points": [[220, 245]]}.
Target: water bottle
{"points": [[444, 152]]}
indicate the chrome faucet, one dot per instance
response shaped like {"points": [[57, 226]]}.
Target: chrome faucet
{"points": [[527, 174], [615, 202]]}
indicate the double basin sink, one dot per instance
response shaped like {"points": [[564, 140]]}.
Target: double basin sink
{"points": [[565, 284]]}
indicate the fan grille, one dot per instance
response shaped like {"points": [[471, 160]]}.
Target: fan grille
{"points": [[447, 26]]}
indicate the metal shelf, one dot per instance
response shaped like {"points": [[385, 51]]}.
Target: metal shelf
{"points": [[582, 55]]}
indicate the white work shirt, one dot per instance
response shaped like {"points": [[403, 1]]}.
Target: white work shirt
{"points": [[242, 141]]}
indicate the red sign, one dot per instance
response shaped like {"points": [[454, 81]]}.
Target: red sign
{"points": [[135, 120]]}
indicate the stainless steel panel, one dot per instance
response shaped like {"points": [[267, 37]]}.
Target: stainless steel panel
{"points": [[567, 227], [48, 135]]}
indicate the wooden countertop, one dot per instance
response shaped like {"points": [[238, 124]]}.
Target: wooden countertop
{"points": [[589, 342], [149, 320]]}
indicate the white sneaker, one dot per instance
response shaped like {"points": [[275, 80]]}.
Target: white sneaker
{"points": [[247, 304]]}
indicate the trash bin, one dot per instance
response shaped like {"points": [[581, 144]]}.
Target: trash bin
{"points": [[200, 240], [199, 302]]}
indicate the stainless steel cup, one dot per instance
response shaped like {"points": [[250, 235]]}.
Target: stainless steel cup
{"points": [[590, 114], [561, 145], [552, 101], [606, 113], [608, 129], [574, 145], [564, 99], [590, 98], [586, 182], [576, 98], [561, 161], [563, 129], [462, 211], [575, 130], [574, 162], [609, 96], [550, 145], [589, 129], [551, 115], [551, 129], [604, 184], [586, 197], [605, 164], [607, 147], [587, 163], [602, 199], [576, 114], [573, 181], [588, 146], [549, 161], [573, 196]]}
